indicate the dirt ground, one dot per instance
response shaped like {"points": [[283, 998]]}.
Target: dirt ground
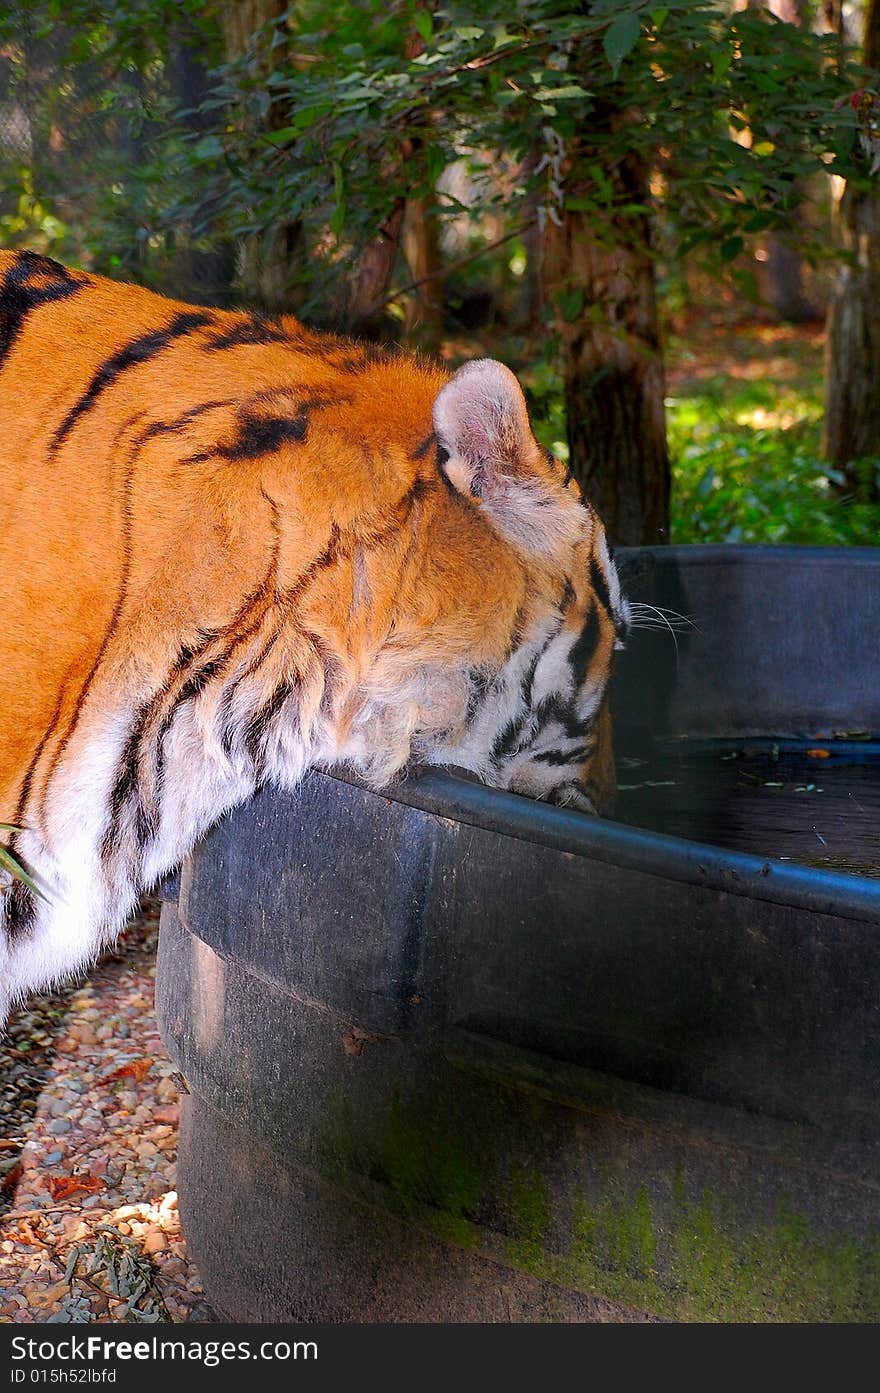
{"points": [[89, 1105]]}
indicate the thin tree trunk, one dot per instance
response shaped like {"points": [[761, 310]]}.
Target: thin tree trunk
{"points": [[783, 270], [368, 292], [530, 300], [784, 284], [202, 275], [421, 247], [269, 262], [368, 289], [852, 359], [604, 298]]}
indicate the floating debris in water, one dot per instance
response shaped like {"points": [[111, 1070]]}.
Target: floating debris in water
{"points": [[742, 798]]}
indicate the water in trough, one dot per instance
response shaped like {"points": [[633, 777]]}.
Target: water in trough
{"points": [[816, 805]]}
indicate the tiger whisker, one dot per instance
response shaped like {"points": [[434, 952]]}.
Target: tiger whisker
{"points": [[668, 615], [661, 621], [647, 616]]}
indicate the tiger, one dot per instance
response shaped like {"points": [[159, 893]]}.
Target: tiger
{"points": [[236, 548]]}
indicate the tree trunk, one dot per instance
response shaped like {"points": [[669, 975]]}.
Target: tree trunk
{"points": [[604, 299], [784, 284], [530, 300], [269, 262], [202, 275], [368, 293], [852, 356], [421, 247], [783, 273]]}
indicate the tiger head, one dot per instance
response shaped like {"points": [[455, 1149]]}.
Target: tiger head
{"points": [[509, 679]]}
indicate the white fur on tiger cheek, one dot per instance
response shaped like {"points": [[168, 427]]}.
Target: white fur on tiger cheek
{"points": [[619, 604]]}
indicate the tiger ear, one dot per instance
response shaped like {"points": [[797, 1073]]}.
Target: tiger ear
{"points": [[490, 455]]}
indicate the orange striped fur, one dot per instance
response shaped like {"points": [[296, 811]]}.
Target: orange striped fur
{"points": [[234, 549]]}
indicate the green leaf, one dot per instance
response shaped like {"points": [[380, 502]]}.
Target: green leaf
{"points": [[337, 218], [731, 248], [545, 94], [620, 39], [9, 863], [424, 24], [571, 304], [208, 148]]}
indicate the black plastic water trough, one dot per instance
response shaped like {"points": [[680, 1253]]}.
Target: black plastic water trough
{"points": [[454, 1055]]}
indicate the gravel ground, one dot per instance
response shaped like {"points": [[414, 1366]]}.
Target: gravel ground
{"points": [[88, 1142]]}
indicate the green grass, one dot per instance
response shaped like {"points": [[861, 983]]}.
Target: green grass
{"points": [[747, 467]]}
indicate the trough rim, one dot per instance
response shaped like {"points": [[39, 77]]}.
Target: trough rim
{"points": [[453, 797]]}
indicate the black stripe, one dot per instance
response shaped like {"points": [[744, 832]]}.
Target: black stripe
{"points": [[600, 585], [121, 596], [529, 675], [329, 668], [318, 399], [327, 557], [255, 330], [260, 435], [583, 651], [577, 755], [479, 684], [529, 678], [422, 450], [25, 793], [259, 724], [198, 680], [139, 350], [227, 729], [31, 281], [126, 786], [368, 355], [557, 708], [418, 489], [194, 684], [181, 422], [507, 741]]}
